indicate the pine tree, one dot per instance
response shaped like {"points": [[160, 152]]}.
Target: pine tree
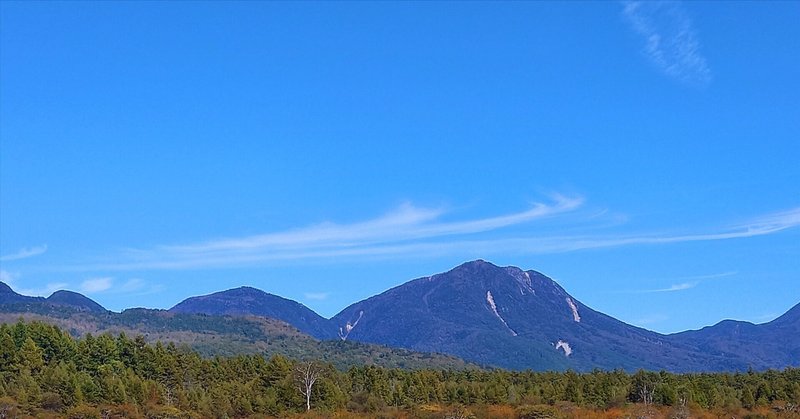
{"points": [[31, 356], [8, 351]]}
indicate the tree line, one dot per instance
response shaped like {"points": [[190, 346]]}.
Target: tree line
{"points": [[44, 370]]}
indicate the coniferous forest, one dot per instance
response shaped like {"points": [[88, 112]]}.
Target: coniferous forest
{"points": [[47, 373]]}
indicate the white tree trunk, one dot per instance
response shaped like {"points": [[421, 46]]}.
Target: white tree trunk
{"points": [[307, 375]]}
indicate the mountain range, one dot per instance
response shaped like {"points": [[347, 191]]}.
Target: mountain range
{"points": [[60, 298], [212, 335], [494, 316]]}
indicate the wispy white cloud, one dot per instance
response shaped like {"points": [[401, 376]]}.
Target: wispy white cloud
{"points": [[759, 226], [771, 222], [671, 42], [686, 282], [418, 233], [710, 276], [96, 285], [396, 233], [319, 296], [131, 285], [675, 287], [134, 287], [406, 223], [151, 289], [25, 252]]}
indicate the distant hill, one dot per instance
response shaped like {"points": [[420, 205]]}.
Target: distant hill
{"points": [[247, 301], [760, 346], [73, 299], [60, 298]]}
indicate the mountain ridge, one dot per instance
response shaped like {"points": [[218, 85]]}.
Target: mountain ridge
{"points": [[76, 300], [247, 300], [63, 298], [508, 317]]}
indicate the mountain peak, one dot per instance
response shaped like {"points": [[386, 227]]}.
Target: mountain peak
{"points": [[255, 302], [480, 269], [247, 288], [477, 263], [473, 268], [243, 291], [76, 300]]}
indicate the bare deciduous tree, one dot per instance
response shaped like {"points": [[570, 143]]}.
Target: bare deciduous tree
{"points": [[646, 394], [306, 374]]}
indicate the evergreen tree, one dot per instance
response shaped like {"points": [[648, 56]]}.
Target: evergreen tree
{"points": [[31, 356]]}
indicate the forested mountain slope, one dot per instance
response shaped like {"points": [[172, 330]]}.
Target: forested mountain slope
{"points": [[219, 335], [522, 319], [480, 312]]}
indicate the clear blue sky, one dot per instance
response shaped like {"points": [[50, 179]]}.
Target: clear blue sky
{"points": [[646, 156]]}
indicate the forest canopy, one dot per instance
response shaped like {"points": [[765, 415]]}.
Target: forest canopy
{"points": [[46, 371]]}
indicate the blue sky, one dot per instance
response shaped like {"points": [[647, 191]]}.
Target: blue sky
{"points": [[645, 155]]}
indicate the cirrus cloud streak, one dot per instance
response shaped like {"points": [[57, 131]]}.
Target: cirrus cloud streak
{"points": [[25, 253], [418, 233], [670, 41]]}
